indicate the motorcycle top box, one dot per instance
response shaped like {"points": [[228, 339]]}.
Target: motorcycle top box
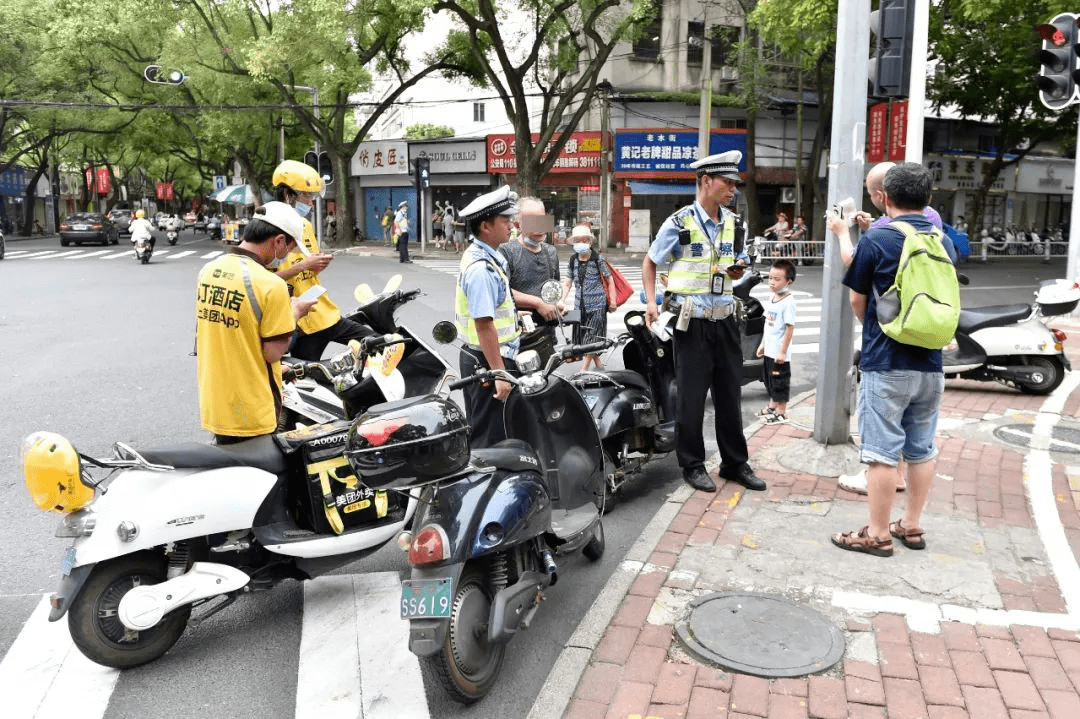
{"points": [[1057, 297], [408, 443]]}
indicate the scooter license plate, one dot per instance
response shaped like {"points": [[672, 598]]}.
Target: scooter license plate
{"points": [[427, 598], [67, 562]]}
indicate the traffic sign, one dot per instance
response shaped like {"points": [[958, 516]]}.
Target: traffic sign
{"points": [[219, 182]]}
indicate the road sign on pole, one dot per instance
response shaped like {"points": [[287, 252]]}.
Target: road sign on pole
{"points": [[219, 182]]}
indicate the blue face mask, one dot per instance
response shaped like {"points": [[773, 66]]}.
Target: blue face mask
{"points": [[530, 241], [303, 209], [582, 248]]}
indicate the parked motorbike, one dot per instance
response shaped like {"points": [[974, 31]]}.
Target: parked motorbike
{"points": [[492, 521], [157, 533], [310, 397], [144, 247], [172, 236], [213, 228], [1012, 344]]}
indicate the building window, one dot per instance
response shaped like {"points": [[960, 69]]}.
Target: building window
{"points": [[478, 112], [724, 38], [647, 44]]}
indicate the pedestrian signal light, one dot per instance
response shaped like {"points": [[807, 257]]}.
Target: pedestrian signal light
{"points": [[326, 168], [1058, 75], [423, 172], [892, 26]]}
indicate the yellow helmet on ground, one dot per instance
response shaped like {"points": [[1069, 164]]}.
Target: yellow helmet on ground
{"points": [[140, 214], [52, 471], [298, 176]]}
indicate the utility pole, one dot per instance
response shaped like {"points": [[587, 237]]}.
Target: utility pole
{"points": [[705, 109], [832, 413], [917, 83], [604, 89]]}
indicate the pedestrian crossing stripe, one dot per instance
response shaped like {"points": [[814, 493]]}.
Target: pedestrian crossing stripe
{"points": [[110, 254], [354, 659]]}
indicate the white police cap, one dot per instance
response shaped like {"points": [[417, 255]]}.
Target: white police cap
{"points": [[283, 217], [502, 201], [724, 164]]}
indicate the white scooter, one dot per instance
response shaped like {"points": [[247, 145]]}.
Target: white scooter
{"points": [[1012, 344], [156, 533], [143, 244]]}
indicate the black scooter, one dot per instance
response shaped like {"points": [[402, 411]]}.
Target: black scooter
{"points": [[487, 535]]}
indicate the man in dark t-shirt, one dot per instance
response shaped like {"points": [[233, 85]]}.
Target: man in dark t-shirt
{"points": [[530, 263]]}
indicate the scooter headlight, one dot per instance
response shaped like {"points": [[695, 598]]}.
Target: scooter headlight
{"points": [[528, 361]]}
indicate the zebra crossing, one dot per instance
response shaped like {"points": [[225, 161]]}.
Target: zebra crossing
{"points": [[354, 659], [808, 307], [113, 254]]}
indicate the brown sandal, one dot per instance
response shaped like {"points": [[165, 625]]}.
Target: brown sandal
{"points": [[861, 541], [910, 537]]}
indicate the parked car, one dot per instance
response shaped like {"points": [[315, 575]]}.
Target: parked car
{"points": [[81, 227], [189, 219], [122, 218]]}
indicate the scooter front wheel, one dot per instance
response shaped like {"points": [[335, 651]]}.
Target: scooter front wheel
{"points": [[467, 664], [95, 626]]}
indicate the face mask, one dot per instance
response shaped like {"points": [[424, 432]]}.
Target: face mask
{"points": [[582, 248], [276, 262], [530, 241], [303, 209]]}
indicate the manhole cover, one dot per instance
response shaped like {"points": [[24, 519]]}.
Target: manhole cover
{"points": [[760, 634], [1063, 437]]}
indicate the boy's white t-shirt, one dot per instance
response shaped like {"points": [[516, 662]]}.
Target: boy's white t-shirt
{"points": [[778, 315]]}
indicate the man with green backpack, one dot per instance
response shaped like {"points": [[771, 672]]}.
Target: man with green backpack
{"points": [[905, 292]]}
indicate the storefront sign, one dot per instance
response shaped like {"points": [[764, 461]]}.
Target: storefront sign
{"points": [[656, 152], [876, 131], [380, 157], [898, 131], [581, 153], [451, 157], [1044, 176], [953, 172]]}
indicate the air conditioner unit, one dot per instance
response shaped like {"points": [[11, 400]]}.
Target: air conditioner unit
{"points": [[787, 195]]}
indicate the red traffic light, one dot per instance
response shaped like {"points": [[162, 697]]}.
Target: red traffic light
{"points": [[1052, 34]]}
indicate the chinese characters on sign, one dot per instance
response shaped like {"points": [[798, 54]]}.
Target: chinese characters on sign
{"points": [[875, 132], [898, 131], [381, 157], [644, 153], [581, 153]]}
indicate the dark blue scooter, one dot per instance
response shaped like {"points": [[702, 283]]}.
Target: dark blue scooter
{"points": [[485, 541]]}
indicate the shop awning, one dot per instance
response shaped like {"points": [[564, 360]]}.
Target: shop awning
{"points": [[640, 187]]}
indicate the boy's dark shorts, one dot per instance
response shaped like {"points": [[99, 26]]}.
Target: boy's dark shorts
{"points": [[777, 380]]}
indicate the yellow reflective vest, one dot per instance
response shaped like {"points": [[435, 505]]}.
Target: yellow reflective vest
{"points": [[691, 274], [506, 324]]}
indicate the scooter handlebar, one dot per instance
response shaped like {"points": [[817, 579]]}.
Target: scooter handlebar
{"points": [[586, 349]]}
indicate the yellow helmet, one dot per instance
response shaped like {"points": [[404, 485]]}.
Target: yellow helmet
{"points": [[298, 176], [52, 471], [140, 214]]}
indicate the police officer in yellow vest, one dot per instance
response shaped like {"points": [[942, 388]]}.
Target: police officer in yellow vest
{"points": [[484, 311], [703, 243]]}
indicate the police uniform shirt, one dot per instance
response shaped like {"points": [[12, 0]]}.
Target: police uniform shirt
{"points": [[483, 287], [234, 312], [666, 248], [324, 313]]}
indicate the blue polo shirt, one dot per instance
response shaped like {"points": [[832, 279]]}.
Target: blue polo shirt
{"points": [[874, 268], [484, 289]]}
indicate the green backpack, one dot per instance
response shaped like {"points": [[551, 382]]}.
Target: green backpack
{"points": [[922, 307]]}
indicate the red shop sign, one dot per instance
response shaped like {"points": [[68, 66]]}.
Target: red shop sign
{"points": [[103, 180], [898, 131], [581, 153], [876, 131]]}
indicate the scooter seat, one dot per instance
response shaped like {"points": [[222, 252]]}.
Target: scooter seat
{"points": [[978, 318], [628, 378], [259, 452]]}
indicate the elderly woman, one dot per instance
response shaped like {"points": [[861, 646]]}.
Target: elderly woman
{"points": [[588, 275]]}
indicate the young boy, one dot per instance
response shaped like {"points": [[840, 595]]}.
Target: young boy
{"points": [[776, 340]]}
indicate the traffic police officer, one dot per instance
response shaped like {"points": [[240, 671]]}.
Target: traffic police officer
{"points": [[484, 311], [704, 243]]}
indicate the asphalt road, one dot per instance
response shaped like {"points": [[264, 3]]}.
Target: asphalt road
{"points": [[99, 350]]}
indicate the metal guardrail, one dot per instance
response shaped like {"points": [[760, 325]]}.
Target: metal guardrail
{"points": [[811, 252]]}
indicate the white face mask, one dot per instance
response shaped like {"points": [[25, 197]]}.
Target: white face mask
{"points": [[276, 262], [582, 248], [303, 208]]}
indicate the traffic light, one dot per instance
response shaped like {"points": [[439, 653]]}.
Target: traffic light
{"points": [[154, 74], [892, 26], [1058, 77], [423, 173], [326, 168]]}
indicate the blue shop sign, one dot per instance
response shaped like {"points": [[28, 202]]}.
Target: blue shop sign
{"points": [[13, 182], [670, 150]]}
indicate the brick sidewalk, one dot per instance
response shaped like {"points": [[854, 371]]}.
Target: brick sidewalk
{"points": [[999, 641]]}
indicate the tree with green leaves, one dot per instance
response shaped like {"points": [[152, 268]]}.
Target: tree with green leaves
{"points": [[427, 131]]}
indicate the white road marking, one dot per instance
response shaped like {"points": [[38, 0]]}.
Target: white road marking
{"points": [[56, 255], [123, 253], [354, 655], [88, 254], [45, 253], [44, 676], [185, 253], [211, 255]]}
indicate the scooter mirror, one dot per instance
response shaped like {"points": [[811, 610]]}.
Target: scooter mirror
{"points": [[363, 293], [444, 332], [392, 284], [551, 292]]}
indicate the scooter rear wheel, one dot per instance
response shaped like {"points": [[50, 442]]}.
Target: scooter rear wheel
{"points": [[1050, 375], [95, 627], [467, 665]]}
